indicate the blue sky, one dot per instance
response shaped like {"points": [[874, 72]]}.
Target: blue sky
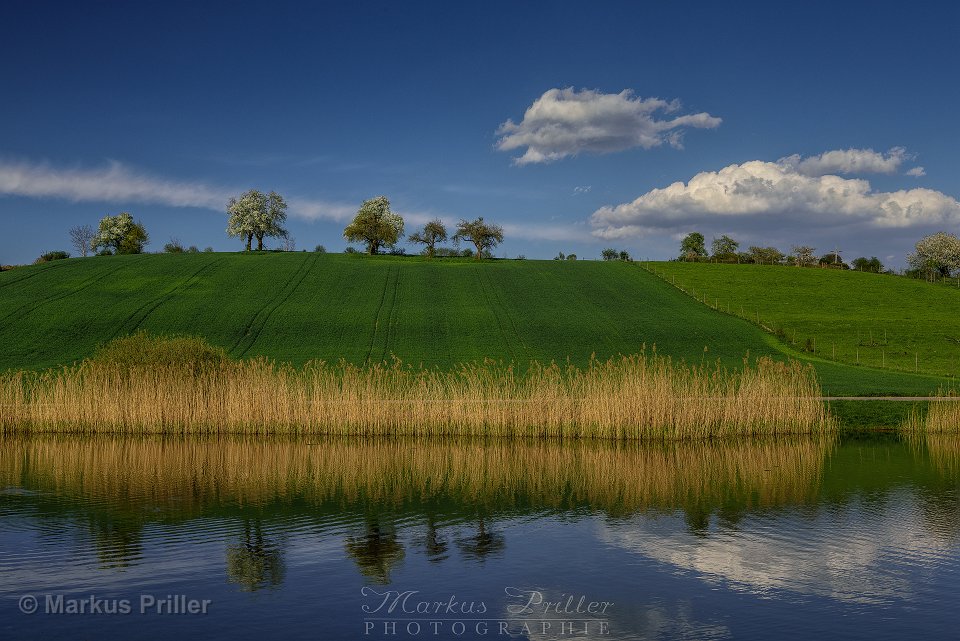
{"points": [[805, 123]]}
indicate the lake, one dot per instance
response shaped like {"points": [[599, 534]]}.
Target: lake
{"points": [[240, 538]]}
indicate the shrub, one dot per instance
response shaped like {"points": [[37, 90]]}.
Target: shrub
{"points": [[146, 351], [173, 247], [49, 256], [320, 249], [208, 250], [105, 252], [192, 249], [351, 250]]}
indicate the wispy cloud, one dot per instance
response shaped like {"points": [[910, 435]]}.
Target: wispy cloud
{"points": [[917, 172], [582, 189], [112, 183], [119, 184], [566, 122], [762, 194], [848, 161]]}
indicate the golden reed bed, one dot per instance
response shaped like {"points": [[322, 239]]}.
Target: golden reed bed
{"points": [[624, 398], [941, 417], [184, 475]]}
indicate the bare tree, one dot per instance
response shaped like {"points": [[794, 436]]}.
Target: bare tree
{"points": [[81, 238]]}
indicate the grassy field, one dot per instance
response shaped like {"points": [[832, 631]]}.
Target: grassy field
{"points": [[848, 317], [301, 306], [297, 307]]}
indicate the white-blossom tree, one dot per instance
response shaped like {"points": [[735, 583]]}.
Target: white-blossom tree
{"points": [[936, 254], [804, 256], [376, 225], [121, 234], [257, 215]]}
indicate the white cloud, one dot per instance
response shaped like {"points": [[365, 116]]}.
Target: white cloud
{"points": [[582, 189], [847, 161], [917, 172], [565, 122], [116, 183], [773, 193]]}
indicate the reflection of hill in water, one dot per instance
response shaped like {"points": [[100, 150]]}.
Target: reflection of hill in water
{"points": [[180, 478]]}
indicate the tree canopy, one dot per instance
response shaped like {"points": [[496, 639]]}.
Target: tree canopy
{"points": [[376, 225], [724, 247], [120, 234], [803, 255], [257, 215], [693, 246], [433, 232], [484, 236], [936, 254]]}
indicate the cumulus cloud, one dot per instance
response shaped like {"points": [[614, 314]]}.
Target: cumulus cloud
{"points": [[848, 161], [778, 192], [565, 122], [117, 183], [917, 172]]}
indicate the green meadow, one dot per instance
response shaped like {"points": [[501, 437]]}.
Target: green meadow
{"points": [[876, 320], [298, 307]]}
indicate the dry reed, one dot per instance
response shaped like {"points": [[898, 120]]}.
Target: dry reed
{"points": [[630, 397], [941, 417], [187, 474]]}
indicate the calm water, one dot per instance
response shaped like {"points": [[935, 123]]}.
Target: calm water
{"points": [[238, 539]]}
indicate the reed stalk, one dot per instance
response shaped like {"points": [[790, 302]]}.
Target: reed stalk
{"points": [[630, 397]]}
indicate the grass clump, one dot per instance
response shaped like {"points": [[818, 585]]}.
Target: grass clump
{"points": [[143, 351]]}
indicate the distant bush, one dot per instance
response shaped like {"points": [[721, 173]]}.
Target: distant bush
{"points": [[467, 253], [320, 249], [105, 252], [571, 256], [146, 351], [208, 250], [351, 250], [173, 247], [521, 257], [865, 264], [192, 249], [609, 254], [49, 256], [398, 251]]}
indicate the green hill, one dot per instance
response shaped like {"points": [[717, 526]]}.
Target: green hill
{"points": [[849, 317], [302, 306]]}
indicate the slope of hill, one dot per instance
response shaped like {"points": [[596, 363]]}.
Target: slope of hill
{"points": [[301, 306], [877, 320]]}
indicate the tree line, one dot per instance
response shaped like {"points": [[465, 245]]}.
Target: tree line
{"points": [[934, 255]]}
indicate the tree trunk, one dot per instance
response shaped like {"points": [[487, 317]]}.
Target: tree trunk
{"points": [[249, 241], [259, 243], [479, 252]]}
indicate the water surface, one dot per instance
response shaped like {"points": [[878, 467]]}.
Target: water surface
{"points": [[155, 538]]}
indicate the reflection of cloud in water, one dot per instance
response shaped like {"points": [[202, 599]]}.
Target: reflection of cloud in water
{"points": [[861, 553], [623, 621]]}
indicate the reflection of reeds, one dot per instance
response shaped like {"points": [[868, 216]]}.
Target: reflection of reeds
{"points": [[628, 397], [942, 449], [189, 474]]}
